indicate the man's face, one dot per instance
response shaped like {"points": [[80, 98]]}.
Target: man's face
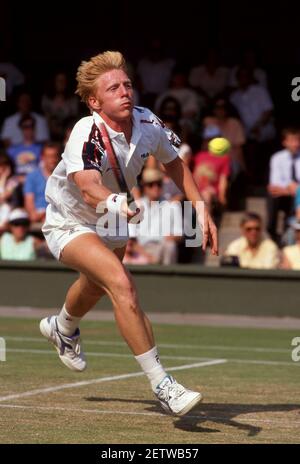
{"points": [[252, 232], [113, 96], [24, 103], [153, 190], [50, 158], [292, 143]]}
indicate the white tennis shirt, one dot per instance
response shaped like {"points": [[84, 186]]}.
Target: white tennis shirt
{"points": [[84, 151]]}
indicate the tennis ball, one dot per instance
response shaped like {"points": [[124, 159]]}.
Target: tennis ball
{"points": [[219, 146]]}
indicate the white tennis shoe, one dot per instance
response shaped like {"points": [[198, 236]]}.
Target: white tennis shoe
{"points": [[68, 348], [174, 398]]}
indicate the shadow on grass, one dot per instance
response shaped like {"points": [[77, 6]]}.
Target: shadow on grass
{"points": [[218, 413]]}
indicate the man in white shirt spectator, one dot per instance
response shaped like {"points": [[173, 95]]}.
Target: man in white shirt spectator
{"points": [[189, 101], [284, 178], [252, 249], [11, 133], [209, 79], [255, 107], [162, 227], [154, 71]]}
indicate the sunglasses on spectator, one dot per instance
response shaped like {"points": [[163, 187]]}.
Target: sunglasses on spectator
{"points": [[155, 182], [27, 126], [257, 228], [20, 223]]}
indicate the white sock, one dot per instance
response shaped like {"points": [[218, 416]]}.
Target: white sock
{"points": [[66, 323], [150, 363]]}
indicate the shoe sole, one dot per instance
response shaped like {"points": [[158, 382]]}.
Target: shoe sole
{"points": [[44, 331], [190, 405]]}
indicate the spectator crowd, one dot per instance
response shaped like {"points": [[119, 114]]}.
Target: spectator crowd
{"points": [[205, 101]]}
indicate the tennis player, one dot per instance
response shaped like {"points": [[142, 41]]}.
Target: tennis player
{"points": [[84, 179]]}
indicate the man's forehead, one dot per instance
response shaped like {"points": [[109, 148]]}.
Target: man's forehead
{"points": [[114, 76]]}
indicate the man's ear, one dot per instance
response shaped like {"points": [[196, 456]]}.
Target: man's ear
{"points": [[94, 103]]}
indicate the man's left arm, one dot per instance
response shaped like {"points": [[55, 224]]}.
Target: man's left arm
{"points": [[183, 178]]}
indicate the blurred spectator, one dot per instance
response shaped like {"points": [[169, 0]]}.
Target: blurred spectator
{"points": [[249, 61], [188, 99], [35, 184], [211, 173], [161, 229], [252, 249], [17, 244], [135, 253], [154, 71], [291, 254], [209, 79], [11, 133], [26, 155], [254, 106], [284, 178], [8, 186], [170, 110], [9, 71], [230, 128], [59, 105]]}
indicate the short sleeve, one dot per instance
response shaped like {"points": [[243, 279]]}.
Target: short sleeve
{"points": [[168, 143], [29, 184], [297, 198], [84, 150]]}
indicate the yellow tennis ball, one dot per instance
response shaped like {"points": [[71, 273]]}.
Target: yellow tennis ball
{"points": [[219, 146]]}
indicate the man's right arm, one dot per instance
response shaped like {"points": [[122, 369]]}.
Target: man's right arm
{"points": [[93, 191]]}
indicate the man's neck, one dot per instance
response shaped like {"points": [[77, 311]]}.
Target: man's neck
{"points": [[124, 126]]}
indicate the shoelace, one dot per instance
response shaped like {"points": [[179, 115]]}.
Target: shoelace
{"points": [[174, 390], [72, 345]]}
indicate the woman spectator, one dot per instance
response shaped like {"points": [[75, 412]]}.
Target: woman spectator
{"points": [[231, 128], [17, 244], [8, 186], [59, 105]]}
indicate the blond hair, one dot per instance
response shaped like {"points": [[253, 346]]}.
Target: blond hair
{"points": [[89, 71]]}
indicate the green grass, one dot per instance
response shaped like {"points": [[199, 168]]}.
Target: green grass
{"points": [[252, 398]]}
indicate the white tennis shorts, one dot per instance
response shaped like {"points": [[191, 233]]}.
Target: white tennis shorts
{"points": [[58, 234]]}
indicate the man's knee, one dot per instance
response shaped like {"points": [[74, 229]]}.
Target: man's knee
{"points": [[123, 290]]}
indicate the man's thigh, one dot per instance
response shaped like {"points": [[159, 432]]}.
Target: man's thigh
{"points": [[88, 255]]}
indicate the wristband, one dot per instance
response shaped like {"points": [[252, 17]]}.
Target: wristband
{"points": [[114, 202]]}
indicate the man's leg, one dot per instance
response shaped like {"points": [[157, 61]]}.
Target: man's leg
{"points": [[104, 269], [88, 255]]}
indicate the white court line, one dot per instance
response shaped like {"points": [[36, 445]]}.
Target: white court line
{"points": [[195, 358], [105, 379], [203, 417], [164, 345]]}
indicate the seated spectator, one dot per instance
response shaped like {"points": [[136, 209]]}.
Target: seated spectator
{"points": [[8, 186], [161, 229], [26, 155], [188, 99], [12, 75], [35, 184], [252, 249], [209, 79], [255, 107], [11, 133], [211, 173], [291, 254], [59, 105], [230, 128], [249, 61], [284, 178], [17, 244], [154, 71], [135, 253]]}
